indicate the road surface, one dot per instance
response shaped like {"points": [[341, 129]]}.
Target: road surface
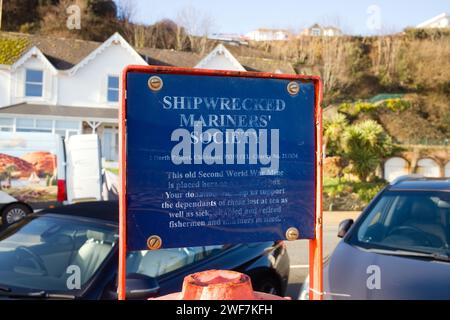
{"points": [[298, 250]]}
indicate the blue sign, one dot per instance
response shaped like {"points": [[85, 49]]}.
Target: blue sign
{"points": [[214, 159]]}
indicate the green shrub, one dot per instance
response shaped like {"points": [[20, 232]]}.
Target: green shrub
{"points": [[397, 105], [368, 193], [364, 145], [421, 34], [364, 107], [364, 192]]}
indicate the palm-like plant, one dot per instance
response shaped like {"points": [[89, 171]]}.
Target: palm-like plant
{"points": [[365, 144], [333, 130]]}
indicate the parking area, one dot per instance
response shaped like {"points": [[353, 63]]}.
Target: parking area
{"points": [[298, 250]]}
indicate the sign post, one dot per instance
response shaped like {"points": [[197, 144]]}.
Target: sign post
{"points": [[219, 157]]}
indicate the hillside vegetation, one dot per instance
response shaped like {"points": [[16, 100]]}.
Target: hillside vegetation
{"points": [[415, 64]]}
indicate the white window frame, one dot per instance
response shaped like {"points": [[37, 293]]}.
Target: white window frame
{"points": [[34, 128]]}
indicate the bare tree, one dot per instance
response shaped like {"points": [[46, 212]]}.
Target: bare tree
{"points": [[333, 61], [126, 12], [182, 37], [198, 26]]}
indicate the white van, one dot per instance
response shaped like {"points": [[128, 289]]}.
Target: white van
{"points": [[41, 170]]}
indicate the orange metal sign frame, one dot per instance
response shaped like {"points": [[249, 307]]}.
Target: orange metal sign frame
{"points": [[315, 245]]}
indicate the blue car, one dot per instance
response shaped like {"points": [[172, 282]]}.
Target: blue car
{"points": [[71, 252]]}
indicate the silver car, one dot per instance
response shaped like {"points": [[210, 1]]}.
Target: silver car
{"points": [[399, 248]]}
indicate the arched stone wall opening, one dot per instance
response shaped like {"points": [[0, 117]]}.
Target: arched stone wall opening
{"points": [[447, 170], [428, 168], [395, 167]]}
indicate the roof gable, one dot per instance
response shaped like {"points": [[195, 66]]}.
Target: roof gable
{"points": [[220, 51], [34, 52], [115, 39]]}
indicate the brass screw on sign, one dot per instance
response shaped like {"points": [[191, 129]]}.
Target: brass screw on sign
{"points": [[293, 88], [154, 242], [292, 234], [155, 83]]}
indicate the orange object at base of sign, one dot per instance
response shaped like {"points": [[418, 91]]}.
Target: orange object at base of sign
{"points": [[218, 285]]}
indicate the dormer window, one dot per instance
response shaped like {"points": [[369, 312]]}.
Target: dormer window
{"points": [[34, 80], [113, 89]]}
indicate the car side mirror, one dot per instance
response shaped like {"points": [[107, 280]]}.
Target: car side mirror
{"points": [[140, 286], [344, 226]]}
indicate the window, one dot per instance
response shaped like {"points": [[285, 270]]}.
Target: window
{"points": [[67, 128], [110, 143], [159, 262], [64, 124], [25, 123], [6, 124], [315, 32], [406, 220], [34, 83], [53, 243], [33, 125], [44, 124], [113, 89]]}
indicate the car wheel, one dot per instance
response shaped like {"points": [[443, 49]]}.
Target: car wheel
{"points": [[14, 212], [267, 284]]}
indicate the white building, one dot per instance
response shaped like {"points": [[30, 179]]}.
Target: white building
{"points": [[440, 21], [316, 30], [230, 38], [69, 86], [37, 96], [268, 35], [220, 59]]}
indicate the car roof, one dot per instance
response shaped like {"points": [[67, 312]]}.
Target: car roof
{"points": [[101, 210], [421, 184]]}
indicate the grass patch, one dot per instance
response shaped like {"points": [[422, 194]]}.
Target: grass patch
{"points": [[365, 191]]}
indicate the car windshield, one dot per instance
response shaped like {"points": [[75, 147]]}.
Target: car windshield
{"points": [[160, 262], [54, 252], [414, 221]]}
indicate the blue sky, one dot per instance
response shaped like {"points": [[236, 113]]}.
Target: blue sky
{"points": [[241, 16]]}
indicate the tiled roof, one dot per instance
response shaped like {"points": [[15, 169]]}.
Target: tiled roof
{"points": [[65, 53], [164, 57], [62, 53], [185, 59], [11, 48]]}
